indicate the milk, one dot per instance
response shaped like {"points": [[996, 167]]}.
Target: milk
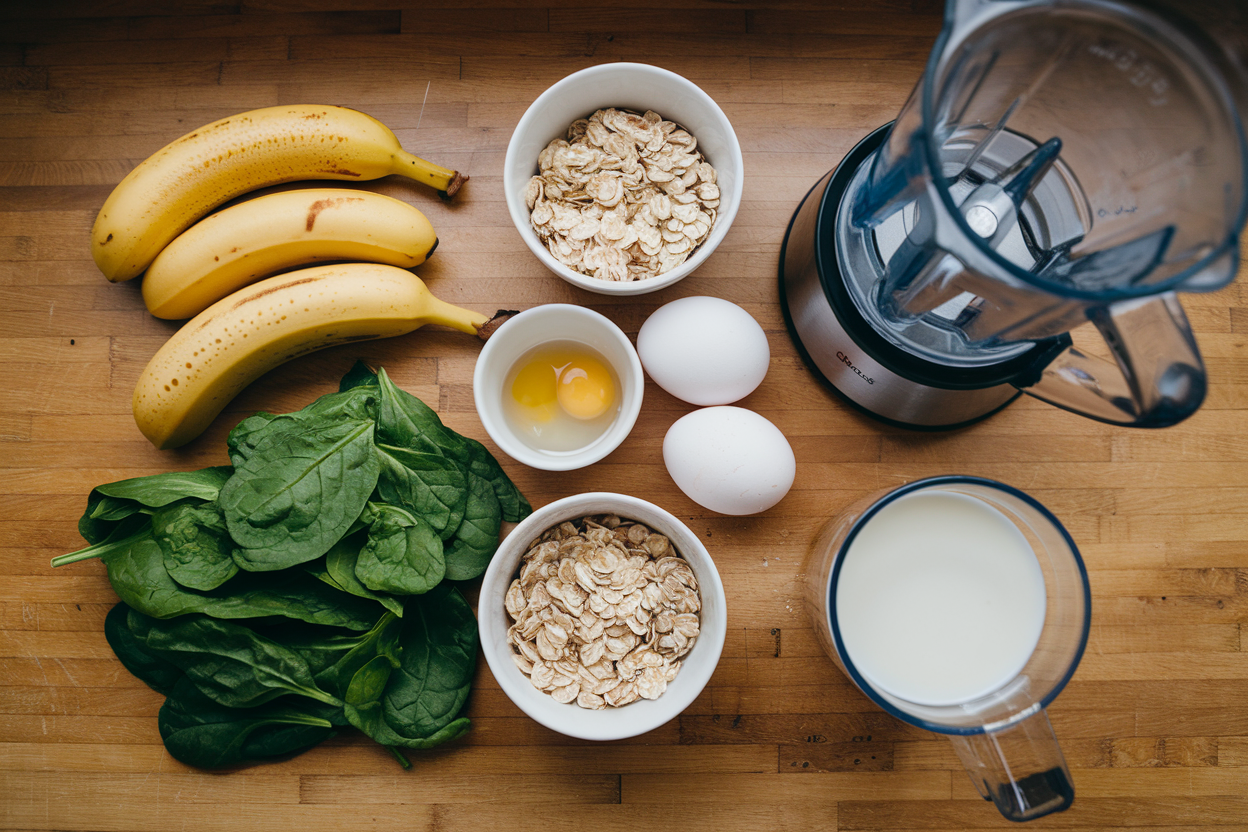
{"points": [[940, 599]]}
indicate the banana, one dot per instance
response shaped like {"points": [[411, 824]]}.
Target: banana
{"points": [[239, 338], [232, 248], [186, 179]]}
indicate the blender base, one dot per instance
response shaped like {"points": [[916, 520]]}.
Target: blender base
{"points": [[841, 349]]}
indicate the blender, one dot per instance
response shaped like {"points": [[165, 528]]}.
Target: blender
{"points": [[1061, 163]]}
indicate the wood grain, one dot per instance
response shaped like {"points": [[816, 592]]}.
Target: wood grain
{"points": [[1154, 724]]}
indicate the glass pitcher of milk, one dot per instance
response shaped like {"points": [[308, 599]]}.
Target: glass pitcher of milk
{"points": [[960, 605]]}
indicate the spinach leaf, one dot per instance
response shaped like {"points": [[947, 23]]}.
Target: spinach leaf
{"points": [[92, 530], [320, 647], [360, 375], [365, 710], [296, 496], [257, 432], [405, 421], [112, 509], [106, 515], [199, 732], [231, 664], [196, 546], [162, 489], [136, 569], [157, 673], [439, 656], [381, 640], [113, 502], [292, 595], [96, 532], [415, 704], [513, 504], [339, 571], [429, 485], [476, 539], [242, 438], [359, 402], [403, 554], [263, 429]]}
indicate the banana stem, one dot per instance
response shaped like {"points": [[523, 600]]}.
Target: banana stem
{"points": [[500, 317], [438, 311], [442, 179]]}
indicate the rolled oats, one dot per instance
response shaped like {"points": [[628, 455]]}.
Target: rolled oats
{"points": [[604, 611], [623, 197]]}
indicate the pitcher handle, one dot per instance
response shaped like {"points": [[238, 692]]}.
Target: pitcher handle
{"points": [[1158, 379], [1019, 768]]}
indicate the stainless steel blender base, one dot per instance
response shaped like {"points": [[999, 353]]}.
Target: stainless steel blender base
{"points": [[839, 346]]}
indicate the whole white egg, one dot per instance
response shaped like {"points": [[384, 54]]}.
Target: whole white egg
{"points": [[729, 459], [704, 350]]}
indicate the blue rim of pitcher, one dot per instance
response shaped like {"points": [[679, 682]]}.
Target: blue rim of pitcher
{"points": [[861, 682], [1174, 283]]}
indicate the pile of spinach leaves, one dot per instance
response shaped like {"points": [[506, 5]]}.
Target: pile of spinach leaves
{"points": [[305, 587]]}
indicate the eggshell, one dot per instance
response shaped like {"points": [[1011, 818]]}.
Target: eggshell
{"points": [[729, 459], [704, 350]]}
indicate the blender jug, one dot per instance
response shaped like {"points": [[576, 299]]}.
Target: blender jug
{"points": [[1061, 162], [981, 636]]}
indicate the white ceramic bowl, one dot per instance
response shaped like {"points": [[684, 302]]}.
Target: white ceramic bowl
{"points": [[555, 322], [637, 717], [628, 86]]}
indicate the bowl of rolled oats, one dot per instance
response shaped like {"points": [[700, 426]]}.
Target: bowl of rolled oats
{"points": [[602, 616], [623, 178]]}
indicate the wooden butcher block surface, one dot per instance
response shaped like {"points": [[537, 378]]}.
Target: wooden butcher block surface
{"points": [[1154, 723]]}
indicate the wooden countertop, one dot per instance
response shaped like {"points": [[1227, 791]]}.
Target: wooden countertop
{"points": [[1154, 724]]}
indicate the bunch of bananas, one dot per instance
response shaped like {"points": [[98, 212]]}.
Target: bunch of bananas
{"points": [[205, 268]]}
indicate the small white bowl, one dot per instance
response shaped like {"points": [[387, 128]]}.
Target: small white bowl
{"points": [[638, 87], [539, 325], [637, 717]]}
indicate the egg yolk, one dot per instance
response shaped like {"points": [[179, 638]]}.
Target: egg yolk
{"points": [[585, 388], [534, 389]]}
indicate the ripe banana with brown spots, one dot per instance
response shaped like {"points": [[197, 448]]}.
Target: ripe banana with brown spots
{"points": [[186, 179], [232, 248], [239, 338]]}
